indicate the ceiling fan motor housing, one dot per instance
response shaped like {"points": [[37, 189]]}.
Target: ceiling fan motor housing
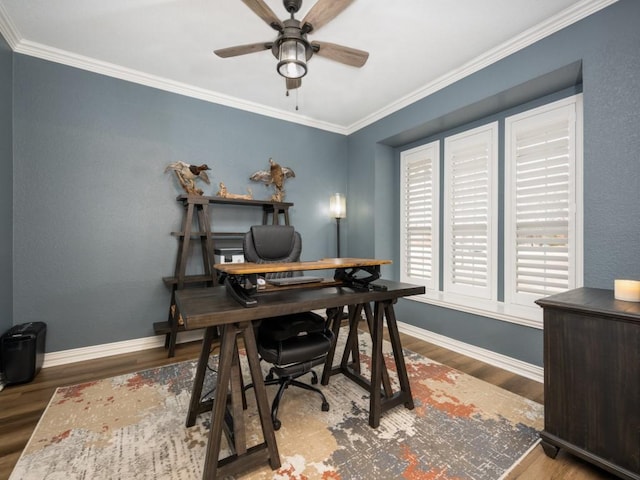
{"points": [[292, 6]]}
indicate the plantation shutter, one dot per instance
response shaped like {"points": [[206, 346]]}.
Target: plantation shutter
{"points": [[541, 218], [419, 215], [470, 203]]}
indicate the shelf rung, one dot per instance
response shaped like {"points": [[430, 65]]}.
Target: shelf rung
{"points": [[228, 234], [203, 200], [188, 279], [213, 234], [161, 328]]}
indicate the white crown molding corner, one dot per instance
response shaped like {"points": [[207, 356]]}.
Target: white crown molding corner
{"points": [[524, 369], [8, 29], [565, 18], [65, 357]]}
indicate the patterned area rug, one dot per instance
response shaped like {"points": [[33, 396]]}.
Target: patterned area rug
{"points": [[132, 427]]}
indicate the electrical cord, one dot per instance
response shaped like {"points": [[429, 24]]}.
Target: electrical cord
{"points": [[212, 369]]}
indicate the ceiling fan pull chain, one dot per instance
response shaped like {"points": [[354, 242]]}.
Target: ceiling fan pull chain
{"points": [[287, 94]]}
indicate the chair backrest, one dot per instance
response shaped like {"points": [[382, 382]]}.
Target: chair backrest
{"points": [[272, 244]]}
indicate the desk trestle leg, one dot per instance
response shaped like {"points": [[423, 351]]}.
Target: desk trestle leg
{"points": [[229, 379], [401, 367], [381, 395], [196, 405]]}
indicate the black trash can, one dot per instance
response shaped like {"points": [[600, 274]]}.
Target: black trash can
{"points": [[22, 352]]}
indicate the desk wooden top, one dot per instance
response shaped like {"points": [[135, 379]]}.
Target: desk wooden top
{"points": [[207, 307], [249, 268]]}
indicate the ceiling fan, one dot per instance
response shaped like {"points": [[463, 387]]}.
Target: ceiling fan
{"points": [[291, 47]]}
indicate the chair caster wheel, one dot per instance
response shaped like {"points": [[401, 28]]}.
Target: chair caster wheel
{"points": [[325, 407], [269, 377], [314, 381], [276, 424]]}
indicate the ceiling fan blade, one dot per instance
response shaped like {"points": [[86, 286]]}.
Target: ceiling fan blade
{"points": [[339, 53], [323, 12], [293, 83], [243, 49], [265, 13]]}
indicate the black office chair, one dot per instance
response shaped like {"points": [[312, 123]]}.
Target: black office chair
{"points": [[295, 343]]}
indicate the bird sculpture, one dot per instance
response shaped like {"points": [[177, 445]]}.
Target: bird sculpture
{"points": [[187, 175], [276, 176]]}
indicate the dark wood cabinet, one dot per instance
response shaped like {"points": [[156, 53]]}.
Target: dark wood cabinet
{"points": [[592, 379]]}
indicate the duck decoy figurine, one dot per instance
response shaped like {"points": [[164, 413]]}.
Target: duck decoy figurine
{"points": [[276, 176], [187, 175]]}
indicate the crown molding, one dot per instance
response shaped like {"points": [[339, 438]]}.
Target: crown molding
{"points": [[565, 18], [8, 29], [64, 57]]}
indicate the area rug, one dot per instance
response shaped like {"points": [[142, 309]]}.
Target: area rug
{"points": [[133, 427]]}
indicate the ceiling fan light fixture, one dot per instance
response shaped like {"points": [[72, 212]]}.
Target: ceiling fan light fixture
{"points": [[291, 48], [292, 58]]}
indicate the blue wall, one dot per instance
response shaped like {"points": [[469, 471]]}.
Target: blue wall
{"points": [[93, 208], [6, 184], [607, 43]]}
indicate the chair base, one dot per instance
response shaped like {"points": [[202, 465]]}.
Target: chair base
{"points": [[285, 382]]}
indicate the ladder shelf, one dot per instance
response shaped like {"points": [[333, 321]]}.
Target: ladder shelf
{"points": [[197, 211]]}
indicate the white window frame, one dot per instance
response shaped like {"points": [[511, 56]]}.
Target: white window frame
{"points": [[517, 301], [426, 157], [513, 309], [472, 146]]}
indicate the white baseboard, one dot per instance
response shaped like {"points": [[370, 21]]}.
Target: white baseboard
{"points": [[64, 357], [528, 370], [518, 367]]}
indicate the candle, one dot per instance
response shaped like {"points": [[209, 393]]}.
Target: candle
{"points": [[628, 290]]}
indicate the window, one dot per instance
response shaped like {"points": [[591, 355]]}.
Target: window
{"points": [[419, 213], [542, 228], [531, 239], [470, 212]]}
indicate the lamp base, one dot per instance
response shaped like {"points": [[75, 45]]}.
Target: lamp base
{"points": [[338, 237]]}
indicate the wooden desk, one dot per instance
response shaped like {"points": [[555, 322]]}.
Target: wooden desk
{"points": [[212, 308]]}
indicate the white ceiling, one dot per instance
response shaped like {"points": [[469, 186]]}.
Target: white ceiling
{"points": [[416, 47]]}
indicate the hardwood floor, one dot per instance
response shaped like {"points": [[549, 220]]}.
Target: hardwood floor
{"points": [[22, 405]]}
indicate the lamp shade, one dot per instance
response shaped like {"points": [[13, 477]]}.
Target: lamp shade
{"points": [[293, 55], [338, 205]]}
